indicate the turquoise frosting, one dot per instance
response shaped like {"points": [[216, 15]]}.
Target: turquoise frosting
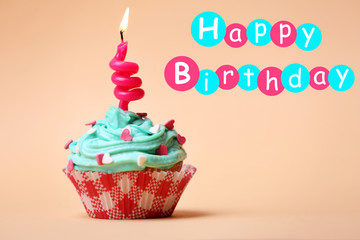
{"points": [[125, 154]]}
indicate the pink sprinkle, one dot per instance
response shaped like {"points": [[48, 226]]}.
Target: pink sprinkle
{"points": [[125, 135], [99, 158], [141, 114], [68, 144], [70, 166], [180, 139], [162, 150], [170, 124], [90, 123]]}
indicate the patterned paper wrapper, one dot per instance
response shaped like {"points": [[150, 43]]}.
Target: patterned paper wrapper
{"points": [[130, 195]]}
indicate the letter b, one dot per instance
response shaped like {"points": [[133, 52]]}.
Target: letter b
{"points": [[184, 72], [181, 73]]}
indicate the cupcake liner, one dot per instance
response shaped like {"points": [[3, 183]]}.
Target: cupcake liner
{"points": [[130, 195]]}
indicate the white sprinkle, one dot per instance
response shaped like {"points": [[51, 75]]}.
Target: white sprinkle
{"points": [[141, 160], [77, 147], [107, 159], [91, 131], [155, 129]]}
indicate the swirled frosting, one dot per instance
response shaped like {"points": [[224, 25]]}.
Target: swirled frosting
{"points": [[104, 138]]}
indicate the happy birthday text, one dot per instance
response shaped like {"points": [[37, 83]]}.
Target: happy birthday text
{"points": [[208, 29]]}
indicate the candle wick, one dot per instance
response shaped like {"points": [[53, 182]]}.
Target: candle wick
{"points": [[122, 36]]}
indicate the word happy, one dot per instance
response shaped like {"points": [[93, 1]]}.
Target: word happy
{"points": [[208, 29]]}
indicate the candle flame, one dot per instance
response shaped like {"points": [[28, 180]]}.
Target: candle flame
{"points": [[124, 22]]}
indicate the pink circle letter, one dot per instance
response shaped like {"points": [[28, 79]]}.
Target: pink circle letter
{"points": [[283, 34], [228, 77], [269, 81], [235, 35], [319, 78], [181, 73]]}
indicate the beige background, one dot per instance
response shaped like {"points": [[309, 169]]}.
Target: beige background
{"points": [[284, 167]]}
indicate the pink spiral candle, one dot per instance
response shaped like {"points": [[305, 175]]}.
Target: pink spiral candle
{"points": [[127, 87]]}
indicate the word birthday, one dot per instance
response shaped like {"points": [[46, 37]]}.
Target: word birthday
{"points": [[209, 29], [182, 74]]}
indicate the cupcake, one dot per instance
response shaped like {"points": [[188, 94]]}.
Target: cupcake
{"points": [[124, 166]]}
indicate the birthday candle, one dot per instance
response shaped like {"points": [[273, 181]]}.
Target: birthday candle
{"points": [[127, 87]]}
